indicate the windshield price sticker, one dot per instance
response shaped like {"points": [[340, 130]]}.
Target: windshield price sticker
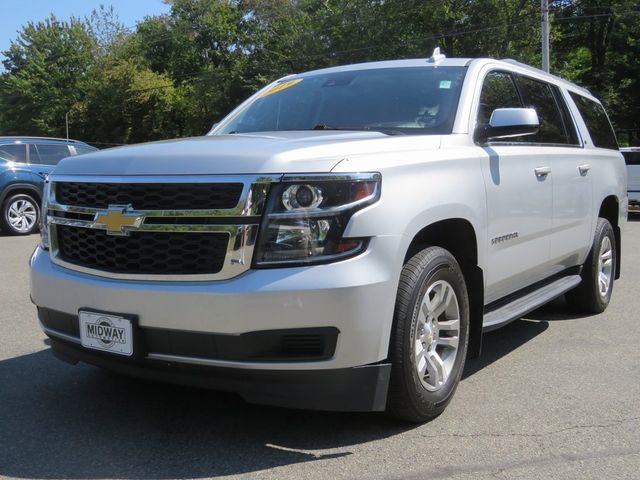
{"points": [[281, 86]]}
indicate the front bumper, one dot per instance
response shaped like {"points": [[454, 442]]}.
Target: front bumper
{"points": [[347, 389], [356, 297]]}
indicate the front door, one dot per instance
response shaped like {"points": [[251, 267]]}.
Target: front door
{"points": [[519, 191]]}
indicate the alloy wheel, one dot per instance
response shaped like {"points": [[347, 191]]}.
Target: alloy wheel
{"points": [[22, 215], [437, 335]]}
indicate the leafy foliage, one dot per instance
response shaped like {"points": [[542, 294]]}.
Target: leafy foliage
{"points": [[176, 74]]}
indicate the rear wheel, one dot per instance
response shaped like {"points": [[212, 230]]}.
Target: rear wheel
{"points": [[430, 335], [598, 273], [20, 215]]}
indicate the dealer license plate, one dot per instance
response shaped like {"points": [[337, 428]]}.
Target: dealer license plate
{"points": [[110, 333]]}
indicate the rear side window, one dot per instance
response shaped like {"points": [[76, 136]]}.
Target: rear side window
{"points": [[82, 149], [631, 158], [597, 122], [52, 154], [498, 91], [538, 95], [14, 152], [567, 120]]}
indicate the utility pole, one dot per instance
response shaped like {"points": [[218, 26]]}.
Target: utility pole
{"points": [[66, 123], [544, 5]]}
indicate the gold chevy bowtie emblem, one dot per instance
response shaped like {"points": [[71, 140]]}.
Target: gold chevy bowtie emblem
{"points": [[119, 219]]}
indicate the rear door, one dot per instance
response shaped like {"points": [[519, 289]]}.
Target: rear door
{"points": [[570, 169], [45, 156]]}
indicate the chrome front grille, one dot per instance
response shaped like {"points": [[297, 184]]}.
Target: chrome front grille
{"points": [[106, 226]]}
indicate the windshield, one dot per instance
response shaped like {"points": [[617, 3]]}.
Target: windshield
{"points": [[409, 100]]}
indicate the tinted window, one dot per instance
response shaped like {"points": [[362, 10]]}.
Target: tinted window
{"points": [[392, 100], [597, 122], [498, 91], [539, 96], [569, 125], [52, 154], [15, 152], [81, 149], [631, 158]]}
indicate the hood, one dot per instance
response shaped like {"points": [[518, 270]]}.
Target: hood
{"points": [[260, 153]]}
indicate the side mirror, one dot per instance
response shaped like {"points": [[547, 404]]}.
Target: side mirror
{"points": [[509, 122]]}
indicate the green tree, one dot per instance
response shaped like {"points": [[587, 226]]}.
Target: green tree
{"points": [[46, 73]]}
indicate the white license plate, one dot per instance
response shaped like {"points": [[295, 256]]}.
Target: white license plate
{"points": [[106, 332]]}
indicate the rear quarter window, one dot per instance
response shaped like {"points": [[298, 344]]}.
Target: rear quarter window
{"points": [[597, 122], [82, 149]]}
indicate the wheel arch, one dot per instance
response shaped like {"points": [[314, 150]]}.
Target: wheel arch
{"points": [[458, 236], [21, 188]]}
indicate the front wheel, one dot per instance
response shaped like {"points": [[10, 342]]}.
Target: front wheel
{"points": [[593, 294], [20, 215], [430, 337]]}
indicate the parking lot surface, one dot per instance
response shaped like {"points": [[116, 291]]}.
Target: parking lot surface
{"points": [[554, 395]]}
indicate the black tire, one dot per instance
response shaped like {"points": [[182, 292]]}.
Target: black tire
{"points": [[408, 398], [586, 297], [6, 225]]}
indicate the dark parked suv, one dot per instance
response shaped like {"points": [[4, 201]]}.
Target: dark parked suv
{"points": [[24, 164]]}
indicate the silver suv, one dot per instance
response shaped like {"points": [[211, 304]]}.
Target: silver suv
{"points": [[342, 239]]}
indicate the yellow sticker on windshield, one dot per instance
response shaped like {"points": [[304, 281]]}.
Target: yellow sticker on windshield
{"points": [[281, 86]]}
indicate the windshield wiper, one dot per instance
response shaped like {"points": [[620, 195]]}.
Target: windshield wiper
{"points": [[324, 126], [385, 130]]}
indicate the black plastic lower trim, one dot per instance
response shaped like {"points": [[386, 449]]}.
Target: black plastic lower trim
{"points": [[347, 389], [282, 345]]}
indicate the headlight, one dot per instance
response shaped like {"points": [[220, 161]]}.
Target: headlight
{"points": [[305, 218], [44, 207]]}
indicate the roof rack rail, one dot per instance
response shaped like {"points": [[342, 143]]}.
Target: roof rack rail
{"points": [[35, 137], [540, 71]]}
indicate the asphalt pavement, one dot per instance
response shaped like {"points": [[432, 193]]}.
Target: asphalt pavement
{"points": [[554, 396]]}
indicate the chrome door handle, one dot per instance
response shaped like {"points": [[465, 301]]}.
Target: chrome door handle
{"points": [[584, 169], [542, 172]]}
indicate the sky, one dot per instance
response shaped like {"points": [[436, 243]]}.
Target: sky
{"points": [[16, 13]]}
